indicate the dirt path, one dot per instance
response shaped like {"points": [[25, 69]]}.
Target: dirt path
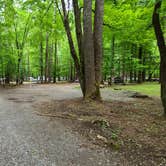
{"points": [[31, 140]]}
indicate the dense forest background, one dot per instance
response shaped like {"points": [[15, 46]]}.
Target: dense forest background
{"points": [[33, 41]]}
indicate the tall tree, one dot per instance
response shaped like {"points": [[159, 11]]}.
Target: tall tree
{"points": [[98, 30], [162, 49], [88, 65], [88, 47]]}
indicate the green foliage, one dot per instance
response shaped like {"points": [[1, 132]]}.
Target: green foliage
{"points": [[129, 22]]}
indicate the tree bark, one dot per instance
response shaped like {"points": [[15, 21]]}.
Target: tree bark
{"points": [[98, 31], [50, 62], [162, 49], [71, 43], [41, 57], [144, 70], [88, 63], [18, 72], [79, 35], [46, 57], [55, 61], [140, 63], [89, 60], [112, 57]]}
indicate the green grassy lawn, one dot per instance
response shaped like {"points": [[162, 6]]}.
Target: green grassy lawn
{"points": [[151, 89]]}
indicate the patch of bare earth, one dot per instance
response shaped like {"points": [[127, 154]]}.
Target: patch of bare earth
{"points": [[137, 130]]}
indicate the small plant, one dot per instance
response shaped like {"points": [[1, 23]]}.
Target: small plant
{"points": [[101, 123], [114, 136]]}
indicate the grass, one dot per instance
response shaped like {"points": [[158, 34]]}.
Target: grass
{"points": [[151, 89]]}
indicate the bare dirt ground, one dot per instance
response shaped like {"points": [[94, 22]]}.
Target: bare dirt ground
{"points": [[50, 125]]}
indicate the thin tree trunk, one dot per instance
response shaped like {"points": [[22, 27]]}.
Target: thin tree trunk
{"points": [[123, 65], [140, 63], [71, 71], [50, 61], [18, 71], [131, 64], [71, 43], [144, 70], [55, 61], [41, 59], [28, 67], [112, 57], [46, 58]]}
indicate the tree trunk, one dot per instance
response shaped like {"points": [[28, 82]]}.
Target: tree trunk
{"points": [[144, 70], [98, 31], [79, 35], [140, 63], [88, 64], [71, 44], [18, 71], [135, 76], [46, 58], [89, 60], [55, 48], [112, 57], [162, 49], [7, 74], [50, 62], [41, 59], [123, 66], [131, 64], [2, 75], [55, 61], [71, 71], [28, 67]]}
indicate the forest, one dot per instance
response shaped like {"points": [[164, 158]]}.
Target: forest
{"points": [[90, 46], [34, 45]]}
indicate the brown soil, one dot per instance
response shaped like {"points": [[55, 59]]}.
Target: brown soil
{"points": [[136, 129]]}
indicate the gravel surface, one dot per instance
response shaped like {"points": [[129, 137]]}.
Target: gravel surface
{"points": [[30, 140]]}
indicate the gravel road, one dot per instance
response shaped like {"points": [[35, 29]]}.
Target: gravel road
{"points": [[30, 140]]}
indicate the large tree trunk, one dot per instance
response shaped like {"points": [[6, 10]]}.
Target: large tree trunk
{"points": [[88, 64], [89, 60], [162, 49], [98, 31]]}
